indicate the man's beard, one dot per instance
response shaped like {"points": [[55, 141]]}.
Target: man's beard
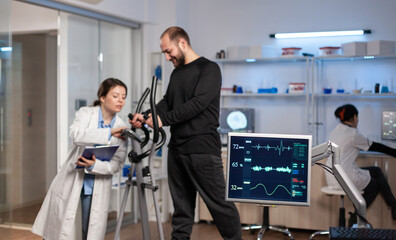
{"points": [[179, 60]]}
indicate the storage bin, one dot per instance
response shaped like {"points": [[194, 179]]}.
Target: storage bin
{"points": [[329, 51], [291, 52], [381, 47], [296, 87], [354, 49]]}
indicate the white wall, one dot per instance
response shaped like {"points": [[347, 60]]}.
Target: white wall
{"points": [[40, 19], [135, 10], [217, 24]]}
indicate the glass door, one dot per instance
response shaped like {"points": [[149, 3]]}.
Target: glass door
{"points": [[5, 143], [78, 75], [91, 51], [32, 102], [115, 57], [114, 61], [53, 66]]}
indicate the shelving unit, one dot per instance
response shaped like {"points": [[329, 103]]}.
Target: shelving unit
{"points": [[353, 58], [361, 72], [363, 95], [263, 60], [259, 95], [278, 72], [317, 76]]}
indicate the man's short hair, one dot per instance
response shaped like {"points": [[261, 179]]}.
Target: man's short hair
{"points": [[175, 33]]}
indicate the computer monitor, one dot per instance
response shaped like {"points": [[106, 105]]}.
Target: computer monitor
{"points": [[236, 120], [388, 129], [269, 169]]}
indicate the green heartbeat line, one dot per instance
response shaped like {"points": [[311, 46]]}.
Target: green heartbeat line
{"points": [[279, 148], [267, 169], [272, 191]]}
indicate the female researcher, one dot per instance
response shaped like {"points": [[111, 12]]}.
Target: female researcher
{"points": [[370, 180], [97, 125]]}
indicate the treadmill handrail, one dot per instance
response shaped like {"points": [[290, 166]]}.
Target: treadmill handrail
{"points": [[154, 110], [142, 99]]}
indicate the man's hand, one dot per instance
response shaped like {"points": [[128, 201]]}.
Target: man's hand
{"points": [[137, 120], [149, 121]]}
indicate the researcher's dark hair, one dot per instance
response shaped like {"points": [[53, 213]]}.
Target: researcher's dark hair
{"points": [[106, 86], [346, 112], [175, 33]]}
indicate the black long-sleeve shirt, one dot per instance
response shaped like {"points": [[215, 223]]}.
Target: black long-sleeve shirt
{"points": [[379, 147], [191, 107]]}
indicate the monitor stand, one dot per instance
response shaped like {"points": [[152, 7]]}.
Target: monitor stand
{"points": [[267, 226], [224, 139]]}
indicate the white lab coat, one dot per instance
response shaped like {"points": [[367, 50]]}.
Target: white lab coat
{"points": [[350, 142], [58, 218]]}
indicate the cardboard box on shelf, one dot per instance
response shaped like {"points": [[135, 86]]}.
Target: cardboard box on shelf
{"points": [[237, 52], [354, 49], [381, 47], [261, 51]]}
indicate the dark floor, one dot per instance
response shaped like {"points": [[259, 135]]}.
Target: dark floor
{"points": [[27, 215], [23, 218], [204, 231], [23, 215], [201, 231]]}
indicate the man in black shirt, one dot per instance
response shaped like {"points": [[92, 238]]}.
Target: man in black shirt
{"points": [[191, 108]]}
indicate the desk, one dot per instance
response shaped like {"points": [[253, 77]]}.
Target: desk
{"points": [[378, 214]]}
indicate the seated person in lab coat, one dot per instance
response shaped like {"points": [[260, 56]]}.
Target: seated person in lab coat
{"points": [[92, 126], [370, 180]]}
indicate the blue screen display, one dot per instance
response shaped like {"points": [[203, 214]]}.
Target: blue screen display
{"points": [[269, 169], [388, 129]]}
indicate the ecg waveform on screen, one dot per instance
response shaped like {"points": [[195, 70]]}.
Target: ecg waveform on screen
{"points": [[266, 191], [279, 148], [268, 169]]}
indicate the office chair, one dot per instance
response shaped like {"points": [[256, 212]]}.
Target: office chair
{"points": [[330, 191]]}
